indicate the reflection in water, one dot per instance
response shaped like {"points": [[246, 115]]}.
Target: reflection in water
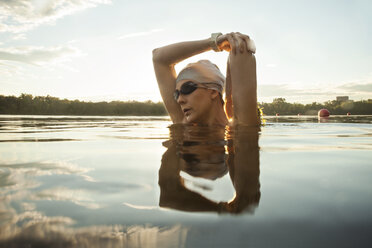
{"points": [[210, 153], [315, 119], [71, 194], [323, 119], [54, 128], [42, 231], [22, 225], [38, 140]]}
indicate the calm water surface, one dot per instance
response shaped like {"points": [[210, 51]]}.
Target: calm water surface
{"points": [[136, 182]]}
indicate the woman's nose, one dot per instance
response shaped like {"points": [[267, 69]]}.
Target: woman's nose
{"points": [[181, 99]]}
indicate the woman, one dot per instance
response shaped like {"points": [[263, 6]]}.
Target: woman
{"points": [[195, 95]]}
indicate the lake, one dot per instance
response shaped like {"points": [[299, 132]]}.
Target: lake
{"points": [[76, 181]]}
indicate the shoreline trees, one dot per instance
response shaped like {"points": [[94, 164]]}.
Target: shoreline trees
{"points": [[280, 106], [27, 104]]}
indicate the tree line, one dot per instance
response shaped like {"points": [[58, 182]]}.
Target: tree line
{"points": [[281, 107], [27, 104]]}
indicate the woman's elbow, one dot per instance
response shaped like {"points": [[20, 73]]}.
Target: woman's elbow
{"points": [[156, 55]]}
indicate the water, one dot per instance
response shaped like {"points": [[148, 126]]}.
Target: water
{"points": [[128, 182]]}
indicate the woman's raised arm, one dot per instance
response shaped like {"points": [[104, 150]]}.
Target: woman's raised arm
{"points": [[241, 82], [164, 59]]}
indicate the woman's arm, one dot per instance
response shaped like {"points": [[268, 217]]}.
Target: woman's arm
{"points": [[242, 83], [228, 93], [244, 169], [164, 59]]}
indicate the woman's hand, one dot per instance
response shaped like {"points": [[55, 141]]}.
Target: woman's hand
{"points": [[223, 43], [236, 42]]}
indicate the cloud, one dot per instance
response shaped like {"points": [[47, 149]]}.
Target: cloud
{"points": [[34, 229], [78, 196], [47, 168], [23, 15], [140, 34], [142, 207], [271, 65], [21, 176], [283, 90], [38, 55], [318, 93], [20, 36], [357, 87]]}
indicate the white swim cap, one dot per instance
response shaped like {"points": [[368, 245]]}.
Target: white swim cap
{"points": [[203, 72]]}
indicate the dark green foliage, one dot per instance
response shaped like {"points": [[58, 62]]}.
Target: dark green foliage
{"points": [[46, 105], [280, 106], [26, 104]]}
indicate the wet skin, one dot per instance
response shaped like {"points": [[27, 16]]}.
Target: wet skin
{"points": [[197, 105]]}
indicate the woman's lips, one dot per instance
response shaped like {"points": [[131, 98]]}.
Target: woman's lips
{"points": [[186, 111]]}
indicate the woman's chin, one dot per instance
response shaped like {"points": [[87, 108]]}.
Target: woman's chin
{"points": [[190, 118], [193, 120]]}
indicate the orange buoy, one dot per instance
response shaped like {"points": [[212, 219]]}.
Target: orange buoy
{"points": [[323, 113]]}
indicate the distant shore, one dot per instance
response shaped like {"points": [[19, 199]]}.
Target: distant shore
{"points": [[27, 104]]}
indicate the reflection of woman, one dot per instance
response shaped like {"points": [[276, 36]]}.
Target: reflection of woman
{"points": [[195, 94], [200, 156]]}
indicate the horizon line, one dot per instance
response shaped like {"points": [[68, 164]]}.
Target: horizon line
{"points": [[161, 101]]}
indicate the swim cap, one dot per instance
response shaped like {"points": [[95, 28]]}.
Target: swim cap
{"points": [[203, 72]]}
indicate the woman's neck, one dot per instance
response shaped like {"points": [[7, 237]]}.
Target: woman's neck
{"points": [[217, 115]]}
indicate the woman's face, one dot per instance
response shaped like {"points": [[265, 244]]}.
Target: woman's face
{"points": [[196, 106]]}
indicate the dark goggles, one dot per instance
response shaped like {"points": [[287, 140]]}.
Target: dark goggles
{"points": [[186, 89]]}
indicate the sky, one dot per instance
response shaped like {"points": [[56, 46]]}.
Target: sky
{"points": [[101, 50]]}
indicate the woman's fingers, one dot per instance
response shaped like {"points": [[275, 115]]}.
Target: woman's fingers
{"points": [[249, 44], [244, 42], [236, 42], [223, 43], [240, 44], [240, 41], [233, 42], [221, 39], [251, 47]]}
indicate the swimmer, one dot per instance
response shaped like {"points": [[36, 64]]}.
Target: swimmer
{"points": [[195, 95]]}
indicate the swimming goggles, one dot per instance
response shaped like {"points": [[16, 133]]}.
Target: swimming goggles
{"points": [[186, 89]]}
